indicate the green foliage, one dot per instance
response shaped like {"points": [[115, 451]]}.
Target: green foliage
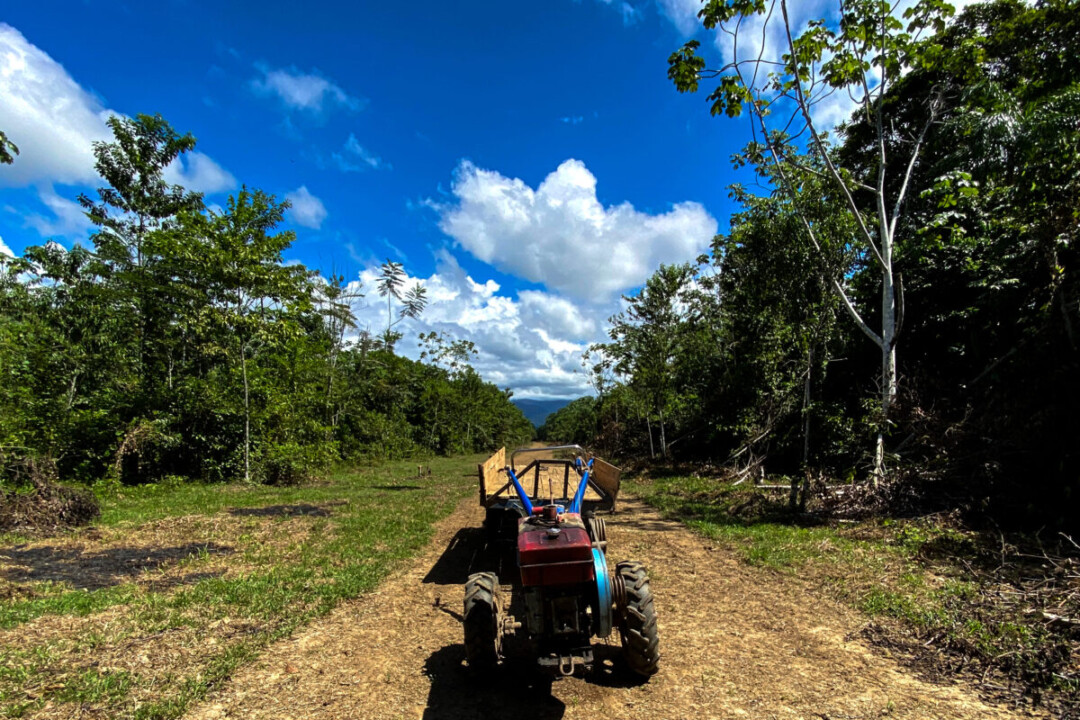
{"points": [[6, 149], [182, 344], [750, 358], [574, 424]]}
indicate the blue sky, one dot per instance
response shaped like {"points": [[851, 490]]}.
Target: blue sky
{"points": [[528, 162]]}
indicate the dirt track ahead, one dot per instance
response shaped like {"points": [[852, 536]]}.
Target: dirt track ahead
{"points": [[735, 642]]}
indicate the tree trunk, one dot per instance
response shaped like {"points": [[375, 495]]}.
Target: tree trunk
{"points": [[652, 450], [247, 417], [806, 408], [888, 359], [663, 436]]}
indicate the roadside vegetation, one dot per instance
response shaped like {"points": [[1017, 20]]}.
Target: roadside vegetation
{"points": [[757, 358], [177, 584], [998, 610], [178, 343]]}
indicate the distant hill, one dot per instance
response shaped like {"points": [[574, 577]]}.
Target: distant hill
{"points": [[538, 410]]}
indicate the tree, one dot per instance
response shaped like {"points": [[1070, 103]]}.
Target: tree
{"points": [[391, 284], [254, 297], [136, 203], [646, 339], [334, 300], [6, 149], [439, 348], [863, 56]]}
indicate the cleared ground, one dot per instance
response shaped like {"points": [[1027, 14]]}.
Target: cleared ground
{"points": [[737, 641]]}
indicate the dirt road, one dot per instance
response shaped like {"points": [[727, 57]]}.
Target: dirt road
{"points": [[736, 642]]}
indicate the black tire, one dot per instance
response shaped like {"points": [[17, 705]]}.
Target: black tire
{"points": [[637, 620], [483, 613]]}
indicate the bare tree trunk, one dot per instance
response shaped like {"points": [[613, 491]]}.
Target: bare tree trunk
{"points": [[663, 436], [806, 408], [247, 417], [888, 358], [793, 496], [652, 451], [71, 389]]}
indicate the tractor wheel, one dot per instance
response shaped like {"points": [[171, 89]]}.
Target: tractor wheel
{"points": [[483, 615], [637, 618]]}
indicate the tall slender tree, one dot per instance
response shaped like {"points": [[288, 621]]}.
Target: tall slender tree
{"points": [[859, 52]]}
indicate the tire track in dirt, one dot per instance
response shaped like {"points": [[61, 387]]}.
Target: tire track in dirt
{"points": [[736, 642]]}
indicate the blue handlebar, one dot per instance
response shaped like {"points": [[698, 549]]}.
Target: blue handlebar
{"points": [[520, 491], [579, 496]]}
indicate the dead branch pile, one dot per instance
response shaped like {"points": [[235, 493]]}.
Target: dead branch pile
{"points": [[902, 496], [31, 499]]}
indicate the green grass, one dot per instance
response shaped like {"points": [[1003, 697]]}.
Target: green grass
{"points": [[761, 533], [910, 575], [273, 580]]}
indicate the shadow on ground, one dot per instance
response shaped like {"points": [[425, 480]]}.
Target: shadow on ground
{"points": [[513, 691], [99, 568], [465, 554]]}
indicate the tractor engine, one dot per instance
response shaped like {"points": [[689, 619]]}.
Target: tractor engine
{"points": [[565, 586]]}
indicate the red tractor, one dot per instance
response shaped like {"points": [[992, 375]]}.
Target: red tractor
{"points": [[568, 593]]}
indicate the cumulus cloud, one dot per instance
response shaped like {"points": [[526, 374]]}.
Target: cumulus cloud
{"points": [[531, 344], [303, 91], [48, 115], [55, 122], [69, 219], [682, 14], [200, 173], [307, 210], [354, 157], [560, 234], [556, 316], [4, 249]]}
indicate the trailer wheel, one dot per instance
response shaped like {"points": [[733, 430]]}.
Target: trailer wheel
{"points": [[637, 618], [483, 611]]}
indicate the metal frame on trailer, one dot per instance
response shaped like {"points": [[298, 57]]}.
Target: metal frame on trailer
{"points": [[602, 477]]}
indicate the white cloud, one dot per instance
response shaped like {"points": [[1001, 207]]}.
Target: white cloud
{"points": [[354, 157], [630, 14], [562, 236], [531, 344], [4, 249], [69, 219], [48, 115], [556, 315], [55, 122], [682, 14], [307, 210], [304, 91], [200, 173]]}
